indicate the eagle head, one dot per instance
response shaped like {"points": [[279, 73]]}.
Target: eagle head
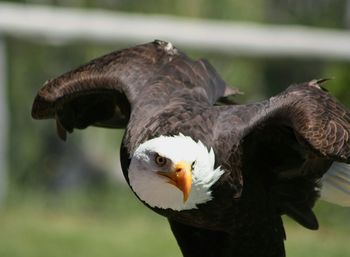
{"points": [[173, 172]]}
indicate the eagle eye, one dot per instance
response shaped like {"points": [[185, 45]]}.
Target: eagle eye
{"points": [[192, 165], [160, 160]]}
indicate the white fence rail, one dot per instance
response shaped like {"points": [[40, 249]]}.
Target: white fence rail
{"points": [[62, 24]]}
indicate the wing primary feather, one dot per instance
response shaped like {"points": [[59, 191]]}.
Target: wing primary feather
{"points": [[104, 91], [61, 132], [335, 184]]}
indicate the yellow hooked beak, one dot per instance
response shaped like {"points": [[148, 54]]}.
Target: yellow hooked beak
{"points": [[181, 177]]}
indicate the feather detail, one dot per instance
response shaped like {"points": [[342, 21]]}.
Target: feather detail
{"points": [[336, 184]]}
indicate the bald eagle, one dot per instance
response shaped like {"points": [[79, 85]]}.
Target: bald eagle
{"points": [[221, 173]]}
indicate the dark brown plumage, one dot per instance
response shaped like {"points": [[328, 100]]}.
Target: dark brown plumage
{"points": [[273, 152]]}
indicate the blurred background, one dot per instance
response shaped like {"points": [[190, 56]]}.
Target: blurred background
{"points": [[69, 199]]}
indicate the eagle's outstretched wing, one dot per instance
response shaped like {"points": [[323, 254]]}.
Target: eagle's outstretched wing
{"points": [[104, 91], [319, 121], [291, 141]]}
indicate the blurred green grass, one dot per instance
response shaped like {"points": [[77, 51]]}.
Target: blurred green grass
{"points": [[92, 223], [86, 224]]}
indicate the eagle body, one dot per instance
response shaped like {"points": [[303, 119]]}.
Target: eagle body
{"points": [[221, 173]]}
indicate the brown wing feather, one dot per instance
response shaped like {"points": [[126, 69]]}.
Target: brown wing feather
{"points": [[124, 71], [286, 144], [320, 122], [319, 127], [106, 90]]}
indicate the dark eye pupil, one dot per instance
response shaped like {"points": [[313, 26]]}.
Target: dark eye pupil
{"points": [[160, 160]]}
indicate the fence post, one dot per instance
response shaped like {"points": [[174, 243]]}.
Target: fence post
{"points": [[3, 123], [347, 14]]}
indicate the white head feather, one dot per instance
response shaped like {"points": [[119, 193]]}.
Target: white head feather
{"points": [[155, 189]]}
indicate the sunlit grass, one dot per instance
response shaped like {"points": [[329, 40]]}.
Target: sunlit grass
{"points": [[113, 223], [331, 240], [74, 225], [326, 242]]}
